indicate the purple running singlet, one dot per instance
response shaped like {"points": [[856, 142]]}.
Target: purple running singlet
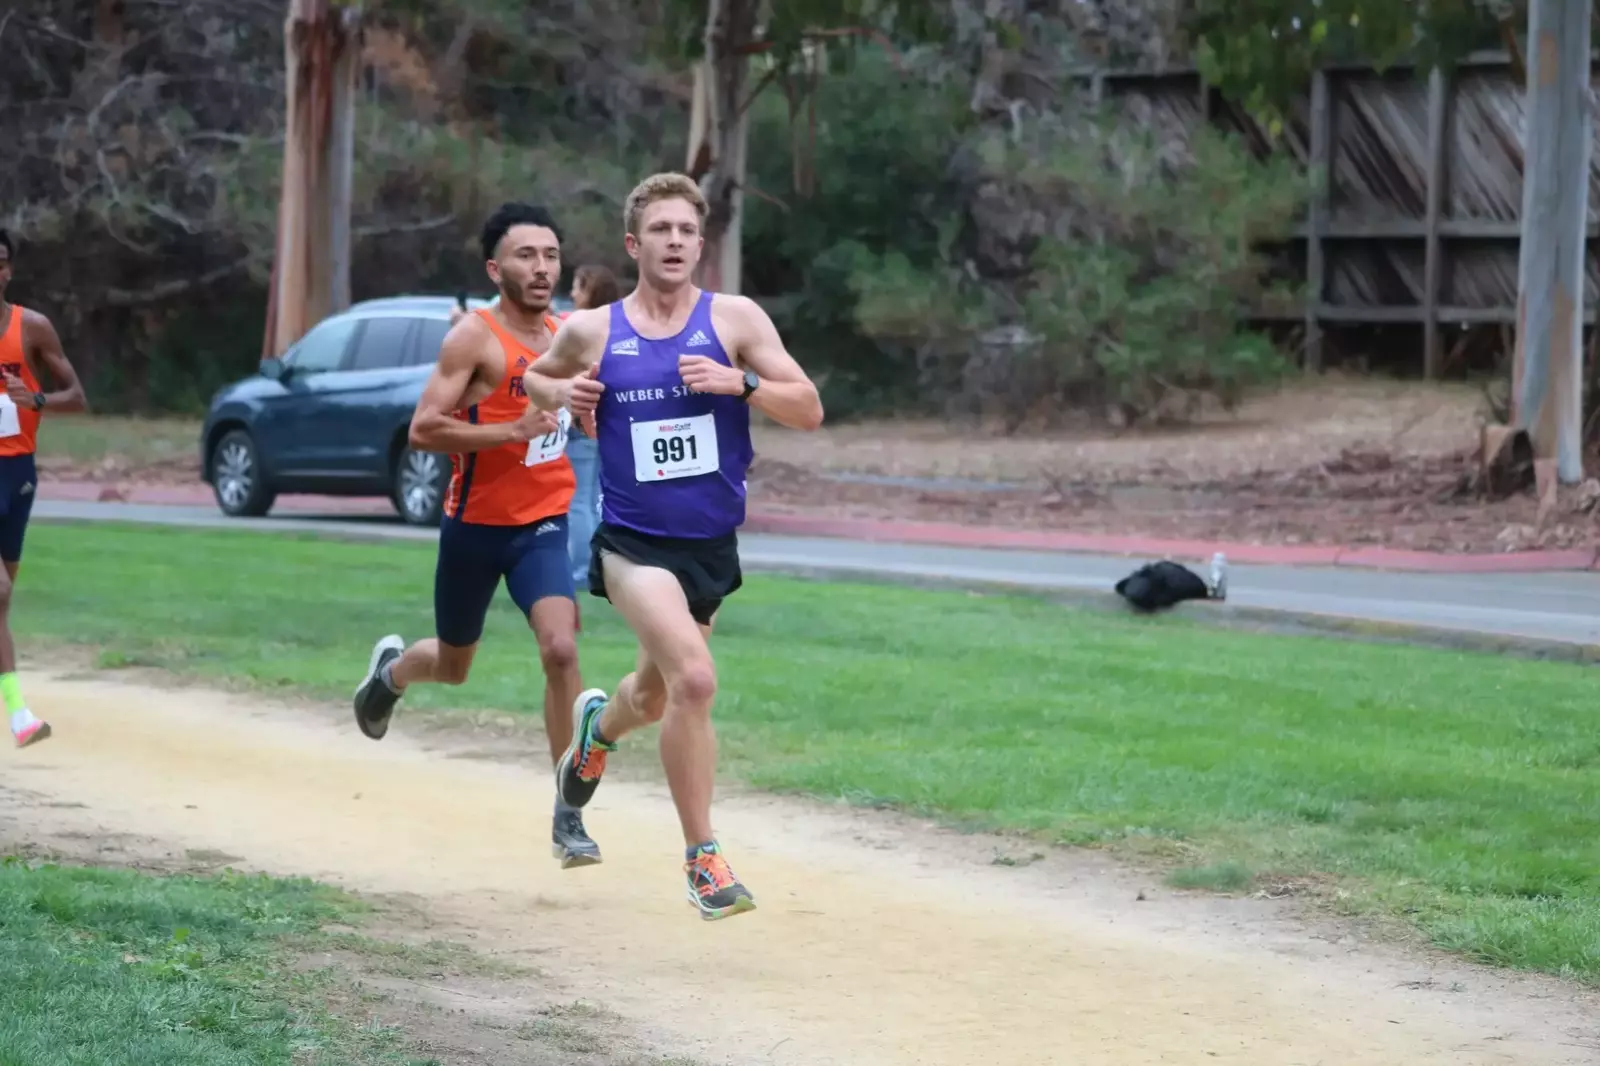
{"points": [[672, 461]]}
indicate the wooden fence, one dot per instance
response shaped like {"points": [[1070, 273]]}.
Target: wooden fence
{"points": [[1416, 223]]}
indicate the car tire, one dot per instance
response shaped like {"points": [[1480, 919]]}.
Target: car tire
{"points": [[418, 486], [237, 480]]}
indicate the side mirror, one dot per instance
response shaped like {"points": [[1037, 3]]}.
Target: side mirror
{"points": [[274, 369]]}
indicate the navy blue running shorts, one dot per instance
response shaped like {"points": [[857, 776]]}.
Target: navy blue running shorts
{"points": [[473, 558], [19, 484]]}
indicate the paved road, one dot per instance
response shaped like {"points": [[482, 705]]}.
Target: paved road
{"points": [[1562, 607]]}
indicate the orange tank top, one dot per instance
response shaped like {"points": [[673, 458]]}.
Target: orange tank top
{"points": [[19, 426], [518, 483]]}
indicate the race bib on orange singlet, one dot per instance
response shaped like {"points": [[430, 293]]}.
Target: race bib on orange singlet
{"points": [[552, 445]]}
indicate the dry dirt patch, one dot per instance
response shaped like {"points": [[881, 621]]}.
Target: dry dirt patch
{"points": [[1332, 462]]}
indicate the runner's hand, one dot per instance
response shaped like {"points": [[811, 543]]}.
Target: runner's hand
{"points": [[706, 375], [534, 423], [20, 394], [584, 397]]}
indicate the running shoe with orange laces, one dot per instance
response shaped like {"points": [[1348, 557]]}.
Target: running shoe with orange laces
{"points": [[582, 764], [713, 889]]}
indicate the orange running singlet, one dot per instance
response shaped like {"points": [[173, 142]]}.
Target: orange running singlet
{"points": [[510, 484], [19, 426]]}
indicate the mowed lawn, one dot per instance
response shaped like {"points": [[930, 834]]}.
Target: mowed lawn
{"points": [[112, 967], [124, 441], [1459, 792]]}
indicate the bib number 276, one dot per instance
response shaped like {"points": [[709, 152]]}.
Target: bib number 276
{"points": [[551, 446], [674, 448]]}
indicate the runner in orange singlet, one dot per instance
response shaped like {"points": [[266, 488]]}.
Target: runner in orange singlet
{"points": [[28, 341], [505, 515]]}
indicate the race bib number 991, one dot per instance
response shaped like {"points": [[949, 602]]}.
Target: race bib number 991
{"points": [[551, 446], [676, 447]]}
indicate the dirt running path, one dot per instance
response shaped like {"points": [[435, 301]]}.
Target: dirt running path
{"points": [[875, 941]]}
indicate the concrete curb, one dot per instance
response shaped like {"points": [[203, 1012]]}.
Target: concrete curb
{"points": [[950, 535]]}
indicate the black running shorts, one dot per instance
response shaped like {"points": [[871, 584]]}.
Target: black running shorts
{"points": [[707, 569]]}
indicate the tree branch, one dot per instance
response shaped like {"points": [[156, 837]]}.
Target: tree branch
{"points": [[166, 290], [422, 226]]}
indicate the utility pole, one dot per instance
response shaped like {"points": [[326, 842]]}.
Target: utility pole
{"points": [[1547, 369]]}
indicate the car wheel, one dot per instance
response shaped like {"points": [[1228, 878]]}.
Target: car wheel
{"points": [[420, 481], [237, 481]]}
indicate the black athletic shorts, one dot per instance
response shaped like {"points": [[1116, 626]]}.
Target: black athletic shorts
{"points": [[707, 569]]}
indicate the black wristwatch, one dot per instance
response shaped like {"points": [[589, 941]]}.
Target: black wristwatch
{"points": [[751, 383], [38, 401]]}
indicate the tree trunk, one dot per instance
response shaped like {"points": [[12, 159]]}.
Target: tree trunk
{"points": [[1547, 374], [341, 155], [313, 206], [717, 137]]}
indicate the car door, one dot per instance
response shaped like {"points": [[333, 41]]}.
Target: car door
{"points": [[361, 403], [284, 424]]}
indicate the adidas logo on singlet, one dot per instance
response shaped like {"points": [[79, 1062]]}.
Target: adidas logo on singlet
{"points": [[626, 347], [699, 340]]}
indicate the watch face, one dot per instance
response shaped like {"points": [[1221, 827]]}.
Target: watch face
{"points": [[751, 380]]}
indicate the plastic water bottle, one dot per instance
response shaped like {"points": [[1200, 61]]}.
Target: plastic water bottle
{"points": [[1219, 576]]}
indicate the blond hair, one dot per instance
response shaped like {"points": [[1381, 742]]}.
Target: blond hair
{"points": [[657, 187]]}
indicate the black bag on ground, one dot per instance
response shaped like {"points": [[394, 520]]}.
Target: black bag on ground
{"points": [[1156, 586]]}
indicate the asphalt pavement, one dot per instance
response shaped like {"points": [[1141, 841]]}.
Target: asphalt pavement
{"points": [[1560, 607]]}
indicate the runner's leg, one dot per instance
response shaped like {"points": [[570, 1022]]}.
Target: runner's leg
{"points": [[464, 580], [653, 604], [675, 682], [18, 484], [539, 581]]}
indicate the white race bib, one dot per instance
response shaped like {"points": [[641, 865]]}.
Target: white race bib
{"points": [[10, 421], [675, 447], [552, 445]]}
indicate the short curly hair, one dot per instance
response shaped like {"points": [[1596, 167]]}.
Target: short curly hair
{"points": [[667, 185]]}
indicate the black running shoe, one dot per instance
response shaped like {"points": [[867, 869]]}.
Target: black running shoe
{"points": [[570, 842], [713, 889], [578, 772], [375, 700]]}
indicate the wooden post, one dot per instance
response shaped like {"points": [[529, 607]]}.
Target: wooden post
{"points": [[1320, 166], [1548, 363], [1439, 92]]}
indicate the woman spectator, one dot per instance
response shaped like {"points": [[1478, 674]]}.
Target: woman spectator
{"points": [[592, 286]]}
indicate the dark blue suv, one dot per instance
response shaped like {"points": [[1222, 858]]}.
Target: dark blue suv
{"points": [[332, 416]]}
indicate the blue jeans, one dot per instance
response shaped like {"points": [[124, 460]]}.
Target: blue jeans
{"points": [[584, 514]]}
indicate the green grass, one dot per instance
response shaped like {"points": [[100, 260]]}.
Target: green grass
{"points": [[127, 441], [111, 967], [1459, 792]]}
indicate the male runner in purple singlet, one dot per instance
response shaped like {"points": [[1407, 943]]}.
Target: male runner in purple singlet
{"points": [[668, 376]]}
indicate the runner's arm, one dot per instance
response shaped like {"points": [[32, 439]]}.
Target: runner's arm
{"points": [[576, 347], [434, 428], [48, 354], [786, 395]]}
